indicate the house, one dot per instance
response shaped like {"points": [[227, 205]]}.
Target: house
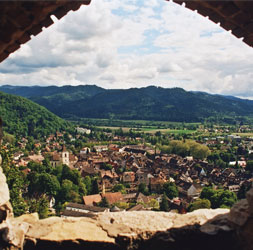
{"points": [[189, 158], [138, 207], [113, 197], [128, 177], [100, 148], [240, 163], [84, 151], [179, 205], [141, 198], [183, 188], [115, 209], [87, 170], [143, 177], [108, 179], [79, 210], [81, 164], [51, 200], [26, 171], [156, 183], [36, 158], [202, 172], [72, 160], [92, 199], [83, 130], [133, 149], [57, 159], [131, 197], [194, 191], [234, 188], [17, 156]]}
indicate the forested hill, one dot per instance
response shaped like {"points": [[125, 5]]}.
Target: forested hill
{"points": [[23, 117], [150, 103]]}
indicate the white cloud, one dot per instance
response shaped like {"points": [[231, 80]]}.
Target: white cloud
{"points": [[135, 43]]}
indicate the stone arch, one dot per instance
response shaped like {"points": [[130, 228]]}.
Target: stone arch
{"points": [[20, 20]]}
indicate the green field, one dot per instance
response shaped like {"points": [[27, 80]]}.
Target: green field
{"points": [[152, 130], [114, 128], [151, 127], [144, 124], [249, 134]]}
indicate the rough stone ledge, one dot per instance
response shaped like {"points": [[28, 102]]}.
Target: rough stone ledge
{"points": [[122, 230]]}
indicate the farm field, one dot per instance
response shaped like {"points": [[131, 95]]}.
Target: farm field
{"points": [[151, 130], [135, 123], [246, 134]]}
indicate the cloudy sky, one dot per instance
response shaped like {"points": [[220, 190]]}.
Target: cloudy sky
{"points": [[134, 44]]}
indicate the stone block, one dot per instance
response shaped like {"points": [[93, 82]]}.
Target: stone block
{"points": [[228, 25], [249, 27], [47, 22], [35, 30], [238, 32], [229, 9], [24, 38], [13, 47], [60, 12], [249, 40], [3, 56]]}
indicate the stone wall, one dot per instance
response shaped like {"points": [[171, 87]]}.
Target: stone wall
{"points": [[202, 229]]}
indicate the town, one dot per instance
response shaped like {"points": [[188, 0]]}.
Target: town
{"points": [[85, 171]]}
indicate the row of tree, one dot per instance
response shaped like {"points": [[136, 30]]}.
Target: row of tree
{"points": [[186, 148]]}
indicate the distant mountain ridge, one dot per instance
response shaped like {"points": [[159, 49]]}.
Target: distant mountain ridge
{"points": [[149, 103]]}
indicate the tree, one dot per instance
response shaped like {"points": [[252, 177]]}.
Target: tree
{"points": [[142, 188], [213, 157], [88, 184], [43, 209], [207, 193], [200, 203], [119, 188], [48, 184], [16, 182], [43, 183], [170, 189], [164, 203], [106, 166], [227, 157], [104, 203], [68, 192], [219, 197], [94, 188], [153, 203], [197, 150], [227, 199], [82, 189], [249, 166], [242, 191]]}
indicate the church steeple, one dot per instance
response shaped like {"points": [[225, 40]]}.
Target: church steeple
{"points": [[65, 156]]}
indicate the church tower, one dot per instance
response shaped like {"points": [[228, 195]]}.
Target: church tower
{"points": [[65, 156]]}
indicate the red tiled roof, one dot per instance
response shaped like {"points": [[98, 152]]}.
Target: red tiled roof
{"points": [[113, 197], [56, 157], [91, 199], [72, 157]]}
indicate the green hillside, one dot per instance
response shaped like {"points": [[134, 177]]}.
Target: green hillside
{"points": [[24, 117], [150, 103]]}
